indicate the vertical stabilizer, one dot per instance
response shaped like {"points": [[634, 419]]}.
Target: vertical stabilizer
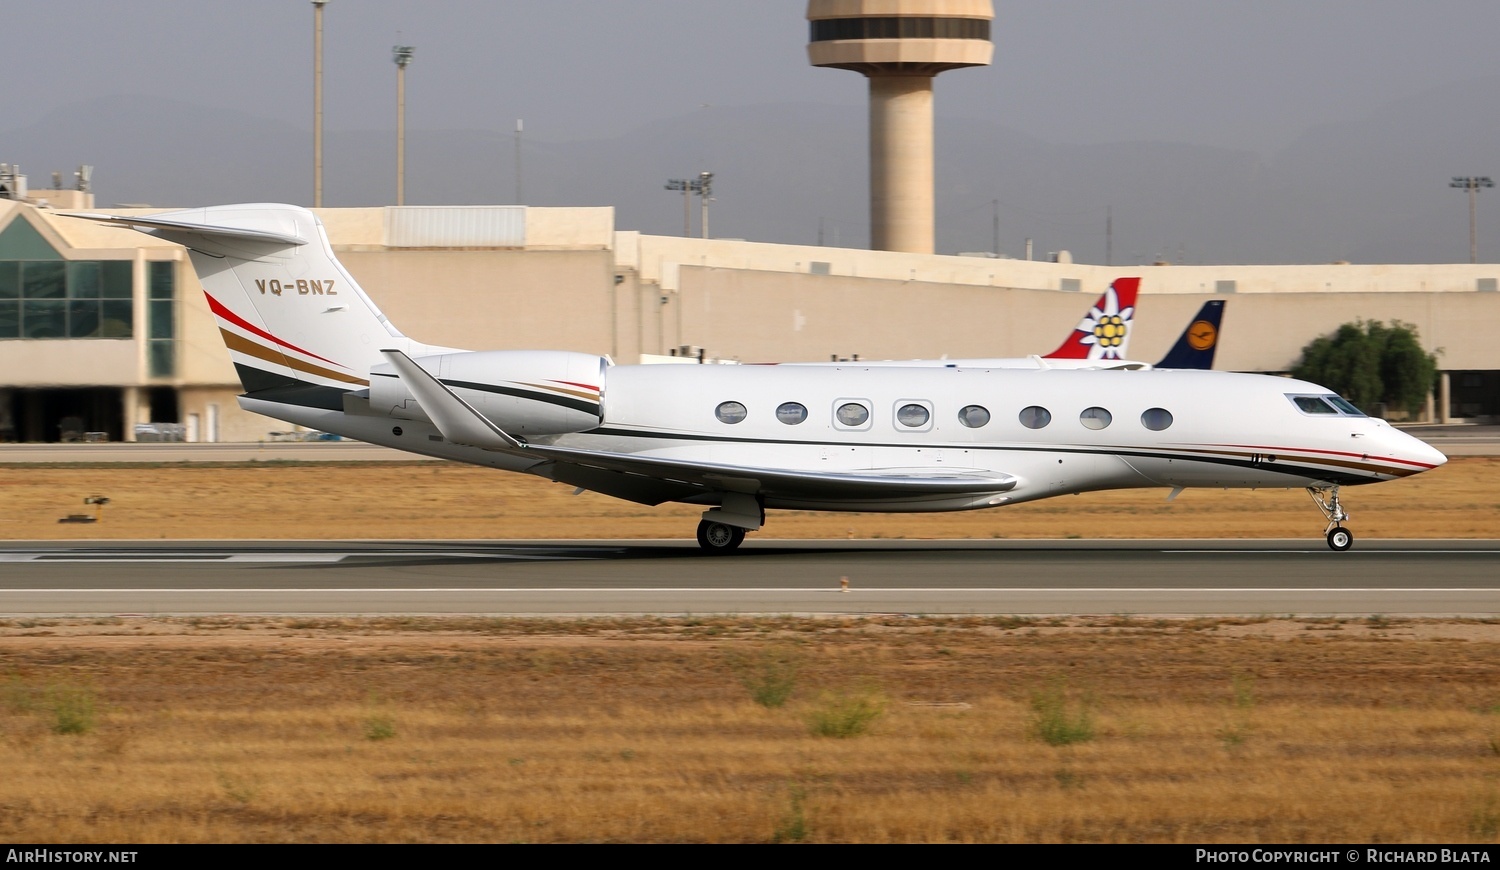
{"points": [[290, 314], [1195, 347], [1104, 333]]}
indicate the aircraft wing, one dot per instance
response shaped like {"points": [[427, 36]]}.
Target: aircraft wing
{"points": [[654, 479], [790, 483]]}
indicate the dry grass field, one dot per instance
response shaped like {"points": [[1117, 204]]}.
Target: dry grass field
{"points": [[660, 730], [444, 500]]}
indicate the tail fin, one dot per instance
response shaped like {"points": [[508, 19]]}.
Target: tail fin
{"points": [[1195, 347], [1104, 333], [290, 314]]}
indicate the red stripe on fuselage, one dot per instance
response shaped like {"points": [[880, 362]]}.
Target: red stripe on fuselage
{"points": [[218, 308], [1360, 456]]}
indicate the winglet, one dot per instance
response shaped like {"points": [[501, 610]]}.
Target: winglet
{"points": [[1195, 347], [455, 418], [1104, 333]]}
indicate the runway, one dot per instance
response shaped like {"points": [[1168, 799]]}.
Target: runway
{"points": [[591, 578]]}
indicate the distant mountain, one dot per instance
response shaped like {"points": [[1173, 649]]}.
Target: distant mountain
{"points": [[1369, 190]]}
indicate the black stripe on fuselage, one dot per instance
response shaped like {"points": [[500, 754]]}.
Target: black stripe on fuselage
{"points": [[1298, 466], [270, 387], [546, 398]]}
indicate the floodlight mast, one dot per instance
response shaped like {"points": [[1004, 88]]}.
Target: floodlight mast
{"points": [[703, 185], [401, 54], [705, 194], [686, 186], [1472, 184], [318, 102]]}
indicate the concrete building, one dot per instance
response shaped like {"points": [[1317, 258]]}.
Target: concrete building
{"points": [[104, 332]]}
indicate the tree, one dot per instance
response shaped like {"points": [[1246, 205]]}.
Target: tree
{"points": [[1370, 363]]}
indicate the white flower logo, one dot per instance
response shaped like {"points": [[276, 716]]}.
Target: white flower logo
{"points": [[1106, 327]]}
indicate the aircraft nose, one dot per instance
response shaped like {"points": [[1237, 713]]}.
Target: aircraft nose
{"points": [[1418, 454]]}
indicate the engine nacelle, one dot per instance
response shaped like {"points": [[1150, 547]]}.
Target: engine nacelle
{"points": [[524, 392]]}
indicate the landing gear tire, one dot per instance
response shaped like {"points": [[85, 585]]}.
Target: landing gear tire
{"points": [[719, 538], [1327, 500], [1340, 539]]}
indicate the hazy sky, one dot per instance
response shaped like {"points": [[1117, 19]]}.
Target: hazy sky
{"points": [[1242, 73]]}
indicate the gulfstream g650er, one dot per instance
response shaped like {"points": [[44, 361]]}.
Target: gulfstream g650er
{"points": [[312, 349]]}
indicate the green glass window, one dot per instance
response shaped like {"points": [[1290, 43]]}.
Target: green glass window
{"points": [[161, 325], [44, 318], [84, 279], [43, 280], [161, 279], [116, 319], [41, 299], [160, 358], [10, 280], [83, 318], [115, 279]]}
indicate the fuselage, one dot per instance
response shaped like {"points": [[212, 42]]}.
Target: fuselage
{"points": [[1056, 431]]}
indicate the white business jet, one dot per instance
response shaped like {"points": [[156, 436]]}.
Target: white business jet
{"points": [[312, 349]]}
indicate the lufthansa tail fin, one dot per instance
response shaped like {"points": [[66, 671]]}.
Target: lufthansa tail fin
{"points": [[1104, 333], [294, 320], [1195, 347]]}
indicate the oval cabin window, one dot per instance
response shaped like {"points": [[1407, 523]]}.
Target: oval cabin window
{"points": [[791, 413], [730, 412], [1035, 417]]}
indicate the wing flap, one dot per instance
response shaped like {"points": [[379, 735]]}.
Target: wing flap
{"points": [[873, 483]]}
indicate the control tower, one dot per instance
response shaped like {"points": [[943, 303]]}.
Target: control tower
{"points": [[901, 45]]}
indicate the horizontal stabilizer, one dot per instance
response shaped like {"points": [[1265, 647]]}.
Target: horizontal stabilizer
{"points": [[173, 225], [455, 418]]}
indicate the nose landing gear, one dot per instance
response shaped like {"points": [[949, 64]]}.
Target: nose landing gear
{"points": [[1327, 500]]}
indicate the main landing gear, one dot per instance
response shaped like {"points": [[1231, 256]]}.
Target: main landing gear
{"points": [[719, 538], [1327, 500]]}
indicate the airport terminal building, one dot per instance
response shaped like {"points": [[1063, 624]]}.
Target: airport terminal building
{"points": [[105, 334]]}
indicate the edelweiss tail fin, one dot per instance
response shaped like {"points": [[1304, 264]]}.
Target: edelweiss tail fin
{"points": [[1104, 333], [290, 314], [1195, 347]]}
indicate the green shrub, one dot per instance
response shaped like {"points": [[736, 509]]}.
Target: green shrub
{"points": [[771, 677], [72, 708], [1057, 721], [846, 714]]}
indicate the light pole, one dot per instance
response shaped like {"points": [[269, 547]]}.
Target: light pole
{"points": [[687, 186], [705, 190], [401, 54], [518, 161], [1472, 184], [318, 102]]}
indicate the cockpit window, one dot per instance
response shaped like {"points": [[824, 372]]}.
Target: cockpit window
{"points": [[1313, 405], [1325, 405]]}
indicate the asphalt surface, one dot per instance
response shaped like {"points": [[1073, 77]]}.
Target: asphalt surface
{"points": [[1224, 577]]}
